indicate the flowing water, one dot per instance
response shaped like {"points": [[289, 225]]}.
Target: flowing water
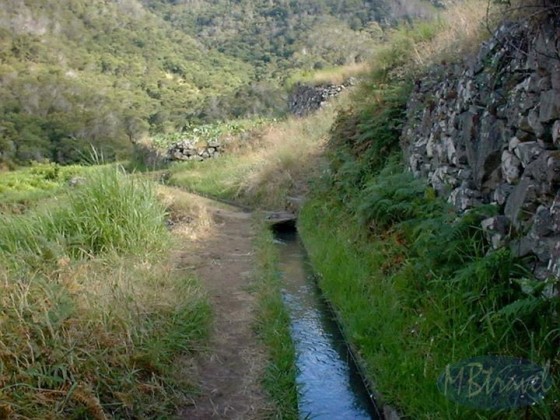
{"points": [[329, 384]]}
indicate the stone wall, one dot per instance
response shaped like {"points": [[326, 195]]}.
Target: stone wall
{"points": [[305, 99], [188, 150], [488, 131]]}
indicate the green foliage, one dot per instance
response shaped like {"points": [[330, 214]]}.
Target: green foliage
{"points": [[279, 36], [93, 314], [81, 73], [420, 294], [363, 139], [416, 285], [109, 213], [273, 326], [204, 133], [394, 196], [104, 76], [28, 187]]}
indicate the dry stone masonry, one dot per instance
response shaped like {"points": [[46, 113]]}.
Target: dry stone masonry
{"points": [[488, 131], [305, 99], [188, 150]]}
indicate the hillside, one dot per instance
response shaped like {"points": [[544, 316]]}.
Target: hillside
{"points": [[284, 35], [77, 74], [426, 198]]}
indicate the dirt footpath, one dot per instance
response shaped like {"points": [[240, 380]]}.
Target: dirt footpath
{"points": [[229, 372]]}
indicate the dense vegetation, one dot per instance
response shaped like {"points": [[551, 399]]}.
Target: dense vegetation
{"points": [[78, 73], [93, 313], [282, 35], [416, 285]]}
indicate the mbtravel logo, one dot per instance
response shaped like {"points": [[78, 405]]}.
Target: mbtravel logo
{"points": [[495, 382]]}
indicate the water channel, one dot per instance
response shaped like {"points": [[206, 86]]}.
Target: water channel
{"points": [[328, 381]]}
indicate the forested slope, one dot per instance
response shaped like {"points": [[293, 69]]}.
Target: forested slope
{"points": [[76, 73]]}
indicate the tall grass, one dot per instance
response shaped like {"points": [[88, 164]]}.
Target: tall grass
{"points": [[262, 171], [411, 49], [333, 75], [93, 313], [418, 288], [109, 213], [273, 326]]}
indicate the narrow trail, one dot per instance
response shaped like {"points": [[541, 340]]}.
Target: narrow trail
{"points": [[228, 374]]}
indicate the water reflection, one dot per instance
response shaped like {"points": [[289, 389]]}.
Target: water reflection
{"points": [[329, 386]]}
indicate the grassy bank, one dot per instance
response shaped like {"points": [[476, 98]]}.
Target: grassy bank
{"points": [[273, 326], [416, 286], [265, 166], [418, 289], [93, 312]]}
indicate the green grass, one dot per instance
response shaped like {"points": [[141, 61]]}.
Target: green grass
{"points": [[109, 213], [273, 326], [24, 188], [418, 291], [93, 312], [219, 177]]}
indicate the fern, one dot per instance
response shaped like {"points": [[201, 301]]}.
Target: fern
{"points": [[392, 198], [520, 308]]}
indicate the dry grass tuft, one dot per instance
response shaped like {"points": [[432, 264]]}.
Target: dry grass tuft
{"points": [[261, 171], [339, 75], [287, 157], [187, 213]]}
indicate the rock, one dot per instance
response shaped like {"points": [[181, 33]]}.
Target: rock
{"points": [[501, 193], [521, 203], [523, 247], [484, 151], [76, 181], [543, 222], [555, 78], [527, 152], [535, 123], [554, 262], [549, 109], [553, 170], [488, 131], [555, 213], [443, 179], [556, 133], [497, 230], [186, 150], [513, 143], [464, 198], [524, 136], [304, 99], [524, 125], [511, 167]]}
